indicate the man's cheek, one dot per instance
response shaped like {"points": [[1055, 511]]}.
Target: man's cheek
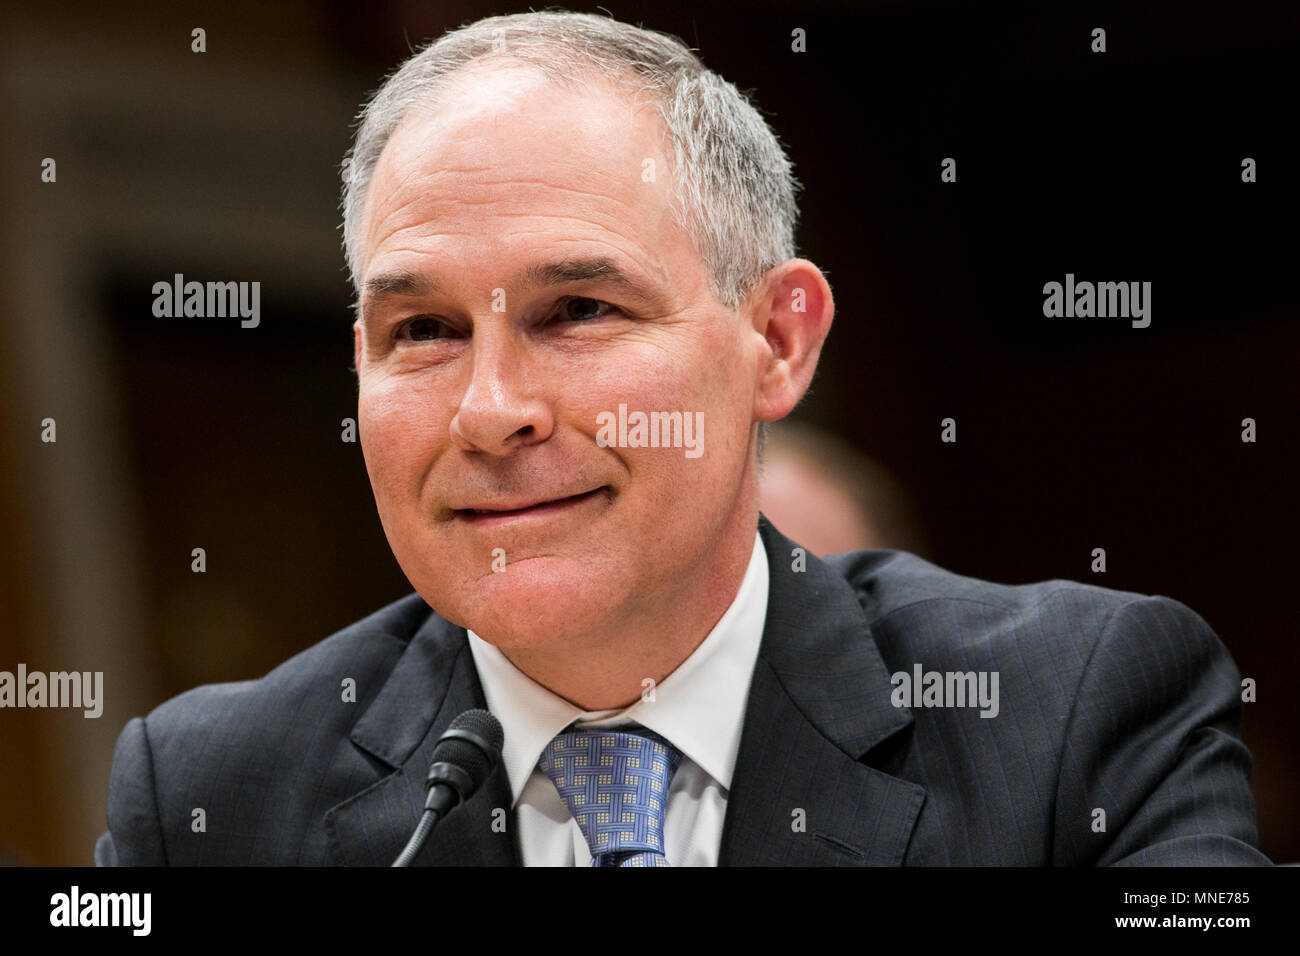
{"points": [[383, 453]]}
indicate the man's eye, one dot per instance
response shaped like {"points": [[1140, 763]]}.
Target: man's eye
{"points": [[422, 328], [580, 309]]}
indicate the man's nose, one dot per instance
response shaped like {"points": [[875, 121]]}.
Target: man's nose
{"points": [[501, 410]]}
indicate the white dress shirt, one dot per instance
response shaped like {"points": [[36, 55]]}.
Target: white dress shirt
{"points": [[699, 708]]}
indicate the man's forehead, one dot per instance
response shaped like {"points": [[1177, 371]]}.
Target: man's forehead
{"points": [[503, 115], [514, 145]]}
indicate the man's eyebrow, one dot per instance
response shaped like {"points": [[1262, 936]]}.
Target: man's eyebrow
{"points": [[582, 270], [401, 282], [406, 282]]}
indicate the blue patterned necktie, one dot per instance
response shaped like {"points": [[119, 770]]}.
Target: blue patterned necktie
{"points": [[616, 786]]}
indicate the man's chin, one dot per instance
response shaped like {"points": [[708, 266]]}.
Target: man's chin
{"points": [[536, 601]]}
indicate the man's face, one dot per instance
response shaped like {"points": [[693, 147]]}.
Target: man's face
{"points": [[488, 358]]}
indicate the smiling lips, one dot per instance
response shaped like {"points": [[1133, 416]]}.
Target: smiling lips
{"points": [[506, 511]]}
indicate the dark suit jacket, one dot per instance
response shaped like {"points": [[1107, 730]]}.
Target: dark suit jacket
{"points": [[1108, 700]]}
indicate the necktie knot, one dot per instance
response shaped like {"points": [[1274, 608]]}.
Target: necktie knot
{"points": [[615, 785]]}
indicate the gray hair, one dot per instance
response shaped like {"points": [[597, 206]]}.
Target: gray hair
{"points": [[734, 187]]}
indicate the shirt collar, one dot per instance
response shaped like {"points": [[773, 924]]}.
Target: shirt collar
{"points": [[699, 707]]}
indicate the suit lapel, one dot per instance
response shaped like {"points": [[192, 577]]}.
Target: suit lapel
{"points": [[433, 682], [818, 702]]}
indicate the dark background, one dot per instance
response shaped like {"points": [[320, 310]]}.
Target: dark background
{"points": [[1072, 434]]}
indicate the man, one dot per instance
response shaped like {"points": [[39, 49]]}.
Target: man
{"points": [[578, 302]]}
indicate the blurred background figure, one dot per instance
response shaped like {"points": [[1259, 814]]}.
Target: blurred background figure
{"points": [[825, 495]]}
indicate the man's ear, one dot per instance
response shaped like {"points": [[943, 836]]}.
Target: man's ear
{"points": [[792, 311]]}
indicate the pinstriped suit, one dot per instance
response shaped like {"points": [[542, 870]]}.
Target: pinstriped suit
{"points": [[1108, 700]]}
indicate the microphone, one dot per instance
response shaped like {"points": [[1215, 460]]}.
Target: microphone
{"points": [[463, 758]]}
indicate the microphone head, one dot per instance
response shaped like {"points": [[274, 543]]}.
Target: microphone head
{"points": [[473, 745]]}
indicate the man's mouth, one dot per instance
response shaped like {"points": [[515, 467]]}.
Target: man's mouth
{"points": [[502, 512]]}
